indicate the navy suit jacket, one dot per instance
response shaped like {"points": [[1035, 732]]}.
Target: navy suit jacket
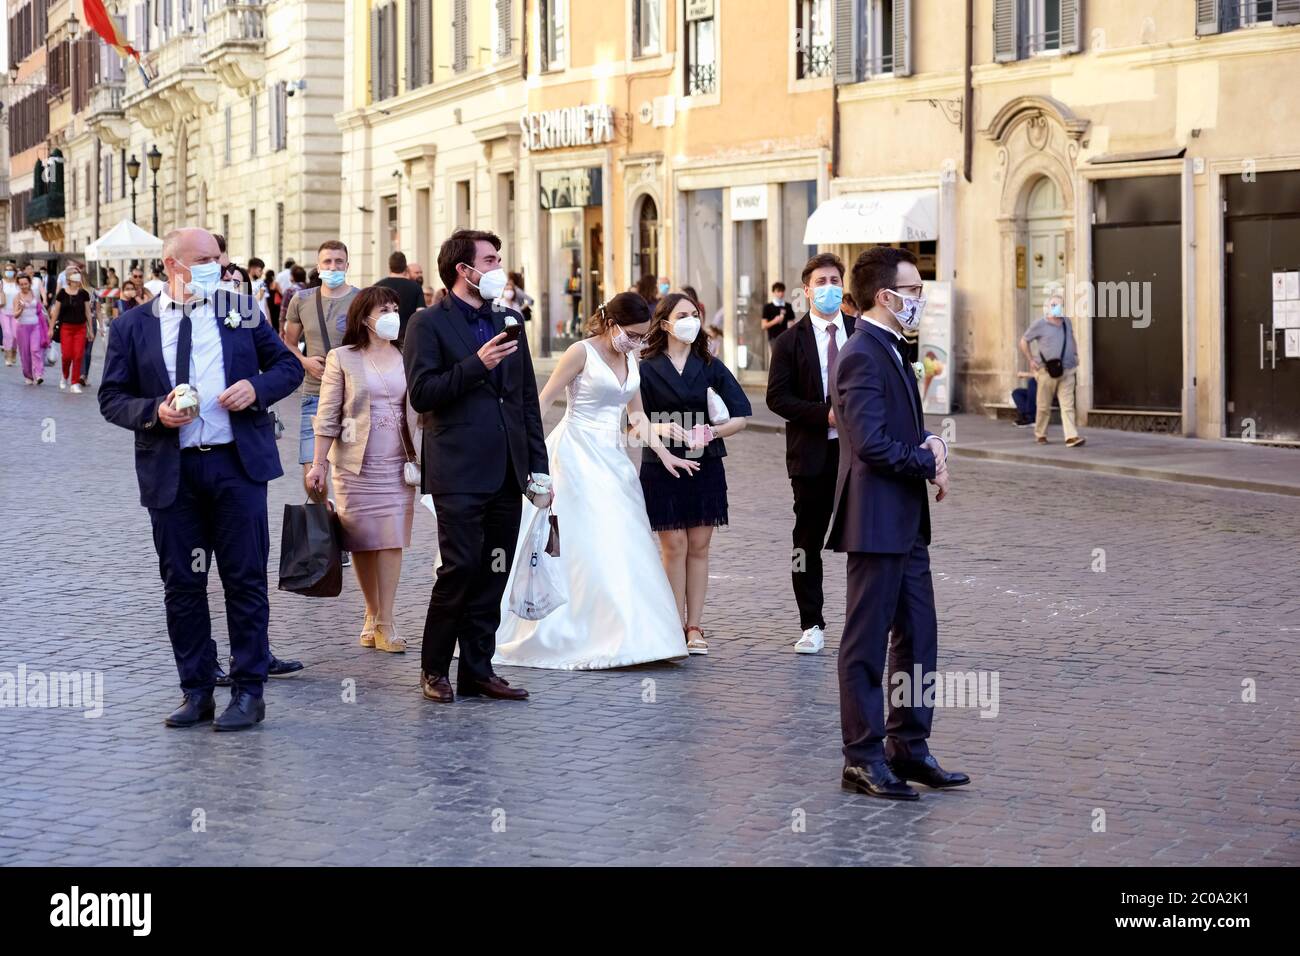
{"points": [[471, 418], [135, 382], [881, 504]]}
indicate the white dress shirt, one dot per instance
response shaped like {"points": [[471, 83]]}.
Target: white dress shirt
{"points": [[822, 330], [207, 369]]}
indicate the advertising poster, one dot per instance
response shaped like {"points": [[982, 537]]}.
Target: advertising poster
{"points": [[935, 349]]}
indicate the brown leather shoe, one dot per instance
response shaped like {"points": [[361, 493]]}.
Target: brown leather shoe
{"points": [[498, 688], [436, 687]]}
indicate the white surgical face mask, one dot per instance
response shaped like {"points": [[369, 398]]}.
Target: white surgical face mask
{"points": [[491, 284], [388, 326], [686, 329], [909, 316]]}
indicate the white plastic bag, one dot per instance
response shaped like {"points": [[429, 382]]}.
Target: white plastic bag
{"points": [[539, 586], [718, 411]]}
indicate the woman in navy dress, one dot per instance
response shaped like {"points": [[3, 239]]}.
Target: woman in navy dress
{"points": [[677, 372]]}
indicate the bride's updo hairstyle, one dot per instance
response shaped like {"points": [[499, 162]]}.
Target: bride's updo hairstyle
{"points": [[626, 308]]}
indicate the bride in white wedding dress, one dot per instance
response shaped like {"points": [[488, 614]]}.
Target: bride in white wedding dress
{"points": [[620, 609]]}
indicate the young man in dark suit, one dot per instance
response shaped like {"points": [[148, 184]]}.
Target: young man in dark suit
{"points": [[882, 520], [474, 387], [203, 471], [798, 389]]}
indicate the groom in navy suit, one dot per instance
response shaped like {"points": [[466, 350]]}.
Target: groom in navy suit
{"points": [[203, 471], [882, 519]]}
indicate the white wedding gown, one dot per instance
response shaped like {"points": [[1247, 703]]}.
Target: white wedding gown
{"points": [[621, 608]]}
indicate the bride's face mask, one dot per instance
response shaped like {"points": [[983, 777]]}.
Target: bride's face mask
{"points": [[626, 341]]}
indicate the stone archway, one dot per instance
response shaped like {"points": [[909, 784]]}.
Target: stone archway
{"points": [[1038, 140]]}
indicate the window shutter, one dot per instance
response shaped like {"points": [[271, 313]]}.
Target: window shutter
{"points": [[1286, 13], [460, 56], [1006, 30], [1207, 17], [505, 27], [902, 27], [391, 42], [848, 16], [376, 86], [636, 27], [1071, 29], [272, 103], [425, 45], [543, 34]]}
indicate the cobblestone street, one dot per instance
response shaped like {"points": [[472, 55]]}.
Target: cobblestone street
{"points": [[1120, 691]]}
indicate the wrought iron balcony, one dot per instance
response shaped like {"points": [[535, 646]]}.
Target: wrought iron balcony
{"points": [[105, 115], [817, 59], [701, 78], [180, 87], [234, 46]]}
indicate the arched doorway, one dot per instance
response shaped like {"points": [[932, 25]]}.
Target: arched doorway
{"points": [[1046, 222], [645, 256]]}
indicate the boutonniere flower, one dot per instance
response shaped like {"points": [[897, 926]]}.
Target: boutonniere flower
{"points": [[234, 320], [919, 369]]}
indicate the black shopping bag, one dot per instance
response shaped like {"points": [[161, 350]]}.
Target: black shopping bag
{"points": [[311, 553]]}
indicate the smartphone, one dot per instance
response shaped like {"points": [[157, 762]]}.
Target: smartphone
{"points": [[512, 332]]}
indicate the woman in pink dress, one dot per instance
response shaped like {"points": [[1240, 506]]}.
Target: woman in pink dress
{"points": [[363, 434]]}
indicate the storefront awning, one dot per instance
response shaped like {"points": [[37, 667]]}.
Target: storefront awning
{"points": [[894, 215]]}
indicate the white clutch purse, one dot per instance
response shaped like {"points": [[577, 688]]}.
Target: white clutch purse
{"points": [[411, 474], [718, 413]]}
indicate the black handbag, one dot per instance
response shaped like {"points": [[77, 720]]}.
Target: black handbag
{"points": [[1056, 367], [311, 551]]}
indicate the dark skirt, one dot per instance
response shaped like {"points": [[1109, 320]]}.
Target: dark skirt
{"points": [[688, 501]]}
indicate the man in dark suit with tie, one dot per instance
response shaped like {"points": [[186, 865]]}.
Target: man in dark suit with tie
{"points": [[882, 519], [473, 384], [203, 471], [798, 389]]}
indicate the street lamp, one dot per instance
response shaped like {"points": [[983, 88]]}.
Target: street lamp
{"points": [[155, 160], [74, 26], [133, 170]]}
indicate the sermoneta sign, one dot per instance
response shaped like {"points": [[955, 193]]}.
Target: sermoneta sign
{"points": [[572, 126]]}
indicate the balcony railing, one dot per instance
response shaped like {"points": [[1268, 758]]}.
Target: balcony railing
{"points": [[180, 53], [107, 98], [243, 24], [701, 78], [45, 207], [816, 60]]}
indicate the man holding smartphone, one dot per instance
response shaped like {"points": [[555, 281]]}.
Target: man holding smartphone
{"points": [[470, 377]]}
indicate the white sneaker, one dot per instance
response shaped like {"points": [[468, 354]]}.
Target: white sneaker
{"points": [[76, 389], [63, 385], [812, 641]]}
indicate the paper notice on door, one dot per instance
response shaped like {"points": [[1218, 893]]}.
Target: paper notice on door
{"points": [[1293, 285], [1281, 314], [1292, 349], [1291, 318], [1279, 286]]}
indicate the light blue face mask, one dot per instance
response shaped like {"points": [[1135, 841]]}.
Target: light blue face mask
{"points": [[205, 277], [332, 278], [827, 298], [663, 288], [1057, 310]]}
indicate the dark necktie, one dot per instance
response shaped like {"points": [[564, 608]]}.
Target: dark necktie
{"points": [[184, 342], [832, 353]]}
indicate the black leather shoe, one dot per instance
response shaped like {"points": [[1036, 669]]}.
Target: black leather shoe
{"points": [[198, 707], [280, 668], [877, 780], [498, 688], [223, 679], [436, 687], [244, 711], [927, 771]]}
